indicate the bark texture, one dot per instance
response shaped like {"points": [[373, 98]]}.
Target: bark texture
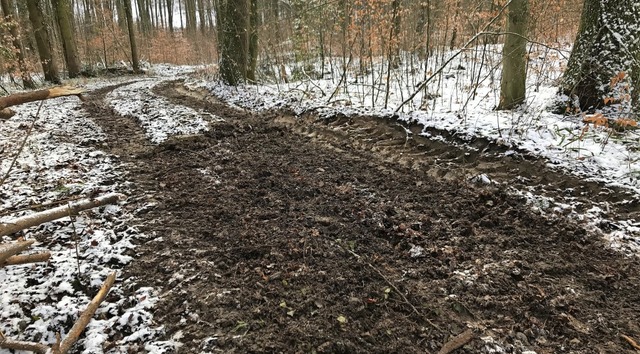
{"points": [[607, 44], [514, 54], [64, 14], [234, 40], [43, 41]]}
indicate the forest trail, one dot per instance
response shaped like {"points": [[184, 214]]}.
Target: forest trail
{"points": [[277, 234]]}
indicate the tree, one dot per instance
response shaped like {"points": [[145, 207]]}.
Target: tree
{"points": [[233, 31], [253, 41], [607, 44], [514, 54], [64, 14], [41, 34], [10, 16], [132, 37]]}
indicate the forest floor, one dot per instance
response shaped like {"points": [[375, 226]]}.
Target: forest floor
{"points": [[273, 233]]}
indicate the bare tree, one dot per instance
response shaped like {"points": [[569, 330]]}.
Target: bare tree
{"points": [[64, 15], [41, 34], [514, 53]]}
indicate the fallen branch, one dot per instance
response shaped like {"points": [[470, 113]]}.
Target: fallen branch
{"points": [[11, 249], [40, 95], [36, 219], [18, 345], [457, 342], [85, 317], [404, 298], [631, 341], [26, 259]]}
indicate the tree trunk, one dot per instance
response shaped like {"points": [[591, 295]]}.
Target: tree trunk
{"points": [[254, 20], [43, 41], [514, 54], [201, 16], [607, 44], [143, 17], [122, 16], [12, 19], [190, 9], [65, 23], [170, 15], [132, 37], [234, 44]]}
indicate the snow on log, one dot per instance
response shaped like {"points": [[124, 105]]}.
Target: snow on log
{"points": [[39, 95], [10, 249], [21, 223]]}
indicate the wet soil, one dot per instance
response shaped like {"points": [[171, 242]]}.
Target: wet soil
{"points": [[284, 235]]}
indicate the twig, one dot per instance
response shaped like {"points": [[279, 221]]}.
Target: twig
{"points": [[75, 240], [10, 249], [630, 341], [86, 316], [404, 298], [24, 142], [457, 342], [26, 259]]}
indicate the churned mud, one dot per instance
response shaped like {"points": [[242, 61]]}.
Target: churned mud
{"points": [[355, 235]]}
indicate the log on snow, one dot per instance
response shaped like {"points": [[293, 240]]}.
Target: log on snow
{"points": [[26, 259], [74, 208], [39, 95], [11, 249], [85, 317]]}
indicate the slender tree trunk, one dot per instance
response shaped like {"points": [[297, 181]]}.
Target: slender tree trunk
{"points": [[201, 15], [514, 53], [254, 23], [170, 15], [190, 7], [122, 16], [144, 17], [132, 37], [10, 17], [65, 24], [43, 41]]}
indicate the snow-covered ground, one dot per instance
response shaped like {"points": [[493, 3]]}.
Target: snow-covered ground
{"points": [[62, 160], [462, 101]]}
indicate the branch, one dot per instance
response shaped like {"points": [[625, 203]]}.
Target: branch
{"points": [[10, 249], [465, 46], [36, 219], [86, 316], [18, 345], [40, 95], [26, 259]]}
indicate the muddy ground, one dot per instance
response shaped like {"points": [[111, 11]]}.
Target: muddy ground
{"points": [[284, 235]]}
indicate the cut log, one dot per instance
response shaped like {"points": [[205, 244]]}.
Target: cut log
{"points": [[10, 249], [74, 208], [26, 259], [39, 95], [85, 317]]}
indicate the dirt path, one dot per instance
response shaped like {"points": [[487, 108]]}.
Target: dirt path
{"points": [[277, 235]]}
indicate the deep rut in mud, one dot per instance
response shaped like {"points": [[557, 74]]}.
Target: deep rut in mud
{"points": [[283, 235]]}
